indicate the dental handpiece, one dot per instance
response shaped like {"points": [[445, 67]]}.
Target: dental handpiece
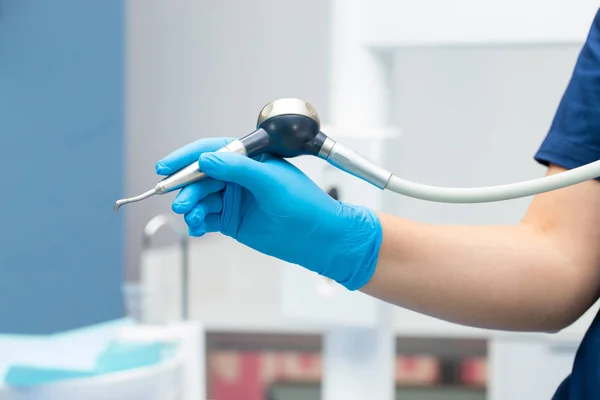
{"points": [[181, 178], [286, 127], [291, 127]]}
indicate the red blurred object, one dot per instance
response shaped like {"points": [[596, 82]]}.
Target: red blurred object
{"points": [[473, 372], [417, 370], [235, 376], [247, 375]]}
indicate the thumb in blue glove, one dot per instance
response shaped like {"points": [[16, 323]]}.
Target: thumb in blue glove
{"points": [[274, 208]]}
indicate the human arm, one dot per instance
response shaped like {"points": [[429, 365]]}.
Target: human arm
{"points": [[540, 275]]}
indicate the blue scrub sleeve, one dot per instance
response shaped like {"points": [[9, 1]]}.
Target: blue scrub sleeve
{"points": [[572, 141], [574, 136]]}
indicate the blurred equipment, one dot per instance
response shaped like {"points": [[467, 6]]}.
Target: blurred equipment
{"points": [[113, 360], [151, 229]]}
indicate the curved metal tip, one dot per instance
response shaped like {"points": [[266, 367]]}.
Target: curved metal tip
{"points": [[118, 205], [142, 196]]}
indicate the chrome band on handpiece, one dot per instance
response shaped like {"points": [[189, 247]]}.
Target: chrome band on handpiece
{"points": [[347, 160], [326, 148]]}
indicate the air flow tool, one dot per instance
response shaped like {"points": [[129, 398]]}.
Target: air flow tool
{"points": [[291, 127]]}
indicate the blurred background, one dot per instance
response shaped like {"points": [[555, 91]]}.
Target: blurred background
{"points": [[93, 93]]}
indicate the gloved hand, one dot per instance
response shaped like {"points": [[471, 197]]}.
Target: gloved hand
{"points": [[271, 206]]}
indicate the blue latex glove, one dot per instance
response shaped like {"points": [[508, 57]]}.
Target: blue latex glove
{"points": [[271, 206]]}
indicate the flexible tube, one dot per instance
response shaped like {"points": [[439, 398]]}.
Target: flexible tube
{"points": [[494, 193]]}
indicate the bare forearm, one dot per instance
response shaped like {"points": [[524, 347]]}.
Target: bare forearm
{"points": [[504, 277]]}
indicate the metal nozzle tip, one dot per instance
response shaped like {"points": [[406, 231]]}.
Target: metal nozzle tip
{"points": [[118, 205], [142, 196]]}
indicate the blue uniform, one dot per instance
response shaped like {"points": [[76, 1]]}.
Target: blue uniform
{"points": [[572, 141]]}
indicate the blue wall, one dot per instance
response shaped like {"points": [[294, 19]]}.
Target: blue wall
{"points": [[61, 146]]}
